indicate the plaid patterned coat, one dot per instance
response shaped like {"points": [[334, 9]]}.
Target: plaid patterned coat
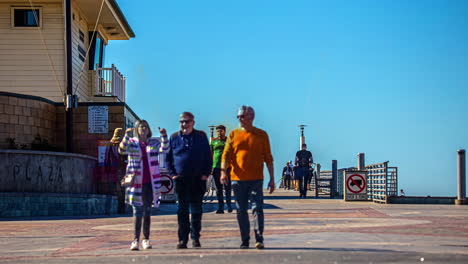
{"points": [[131, 147]]}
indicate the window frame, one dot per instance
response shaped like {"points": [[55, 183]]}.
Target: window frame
{"points": [[12, 15]]}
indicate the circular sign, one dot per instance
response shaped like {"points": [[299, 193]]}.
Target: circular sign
{"points": [[166, 184], [356, 183]]}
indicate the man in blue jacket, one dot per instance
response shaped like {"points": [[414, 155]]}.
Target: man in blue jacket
{"points": [[189, 161]]}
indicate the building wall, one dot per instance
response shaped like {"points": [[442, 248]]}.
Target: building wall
{"points": [[23, 119], [80, 67], [83, 141], [24, 65]]}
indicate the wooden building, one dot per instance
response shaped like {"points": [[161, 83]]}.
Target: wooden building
{"points": [[33, 73]]}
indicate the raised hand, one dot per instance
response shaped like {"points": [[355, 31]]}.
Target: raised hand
{"points": [[162, 131]]}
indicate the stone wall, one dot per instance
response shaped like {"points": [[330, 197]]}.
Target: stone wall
{"points": [[55, 204], [25, 117], [39, 171]]}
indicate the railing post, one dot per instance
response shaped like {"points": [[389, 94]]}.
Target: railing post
{"points": [[334, 178], [123, 88], [317, 179], [461, 171]]}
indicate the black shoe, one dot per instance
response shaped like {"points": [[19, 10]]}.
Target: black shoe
{"points": [[229, 210], [219, 211], [244, 245], [181, 245], [196, 243]]}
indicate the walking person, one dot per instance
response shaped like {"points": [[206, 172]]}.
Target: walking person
{"points": [[247, 148], [189, 162], [287, 176], [143, 168], [304, 161], [217, 147]]}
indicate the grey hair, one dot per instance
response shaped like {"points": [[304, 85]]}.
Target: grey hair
{"points": [[247, 109], [187, 114]]}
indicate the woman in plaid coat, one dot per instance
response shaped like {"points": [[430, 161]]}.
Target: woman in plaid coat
{"points": [[143, 164]]}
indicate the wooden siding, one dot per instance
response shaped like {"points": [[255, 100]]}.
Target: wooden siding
{"points": [[24, 65], [82, 90]]}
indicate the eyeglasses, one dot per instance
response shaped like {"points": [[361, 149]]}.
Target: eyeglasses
{"points": [[240, 116], [186, 121]]}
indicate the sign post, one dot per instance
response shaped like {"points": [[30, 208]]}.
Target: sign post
{"points": [[355, 186]]}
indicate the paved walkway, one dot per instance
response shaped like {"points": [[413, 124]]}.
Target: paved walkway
{"points": [[297, 231]]}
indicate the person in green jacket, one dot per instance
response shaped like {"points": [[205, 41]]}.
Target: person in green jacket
{"points": [[217, 147]]}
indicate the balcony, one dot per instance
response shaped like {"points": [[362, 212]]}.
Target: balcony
{"points": [[108, 82]]}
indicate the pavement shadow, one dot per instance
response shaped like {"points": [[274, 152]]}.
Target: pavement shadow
{"points": [[296, 197], [308, 249]]}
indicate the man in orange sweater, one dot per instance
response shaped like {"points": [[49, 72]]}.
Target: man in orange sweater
{"points": [[247, 148]]}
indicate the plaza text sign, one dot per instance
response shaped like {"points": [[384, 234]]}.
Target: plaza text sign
{"points": [[355, 185]]}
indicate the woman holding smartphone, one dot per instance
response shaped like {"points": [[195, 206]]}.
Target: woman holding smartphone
{"points": [[143, 166]]}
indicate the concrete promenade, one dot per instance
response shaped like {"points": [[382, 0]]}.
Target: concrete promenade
{"points": [[297, 231]]}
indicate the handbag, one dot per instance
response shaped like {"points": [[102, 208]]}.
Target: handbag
{"points": [[127, 181]]}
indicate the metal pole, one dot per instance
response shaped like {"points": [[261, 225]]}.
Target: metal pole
{"points": [[461, 169], [69, 105], [334, 178], [361, 162]]}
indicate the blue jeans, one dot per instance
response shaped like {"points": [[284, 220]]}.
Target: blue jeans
{"points": [[253, 191]]}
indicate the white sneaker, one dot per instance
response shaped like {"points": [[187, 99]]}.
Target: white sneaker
{"points": [[145, 244], [134, 245]]}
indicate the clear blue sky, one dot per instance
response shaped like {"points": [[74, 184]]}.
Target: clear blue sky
{"points": [[386, 78]]}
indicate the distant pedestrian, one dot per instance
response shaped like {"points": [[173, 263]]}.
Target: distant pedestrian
{"points": [[287, 176], [143, 168], [304, 161], [247, 148], [189, 162], [217, 147]]}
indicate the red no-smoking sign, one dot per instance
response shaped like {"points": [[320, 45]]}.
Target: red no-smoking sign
{"points": [[356, 183]]}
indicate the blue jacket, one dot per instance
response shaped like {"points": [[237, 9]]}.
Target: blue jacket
{"points": [[189, 155]]}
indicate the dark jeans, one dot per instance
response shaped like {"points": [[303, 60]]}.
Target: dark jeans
{"points": [[190, 196], [143, 213], [287, 182], [219, 189], [304, 176], [253, 191]]}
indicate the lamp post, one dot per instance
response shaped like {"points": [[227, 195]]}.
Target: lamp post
{"points": [[211, 132], [302, 138]]}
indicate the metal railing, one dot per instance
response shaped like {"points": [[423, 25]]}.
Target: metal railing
{"points": [[109, 82], [382, 181], [325, 184]]}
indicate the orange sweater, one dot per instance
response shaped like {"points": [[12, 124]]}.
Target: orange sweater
{"points": [[245, 152]]}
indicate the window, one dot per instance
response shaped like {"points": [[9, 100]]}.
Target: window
{"points": [[96, 52], [23, 17]]}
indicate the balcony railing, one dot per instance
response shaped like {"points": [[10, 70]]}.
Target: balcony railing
{"points": [[109, 82]]}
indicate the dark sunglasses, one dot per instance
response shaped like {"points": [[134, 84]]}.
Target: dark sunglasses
{"points": [[240, 116], [185, 121]]}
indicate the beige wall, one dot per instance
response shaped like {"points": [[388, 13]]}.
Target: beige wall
{"points": [[80, 77], [24, 65]]}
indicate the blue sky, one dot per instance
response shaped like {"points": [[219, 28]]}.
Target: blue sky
{"points": [[386, 78]]}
